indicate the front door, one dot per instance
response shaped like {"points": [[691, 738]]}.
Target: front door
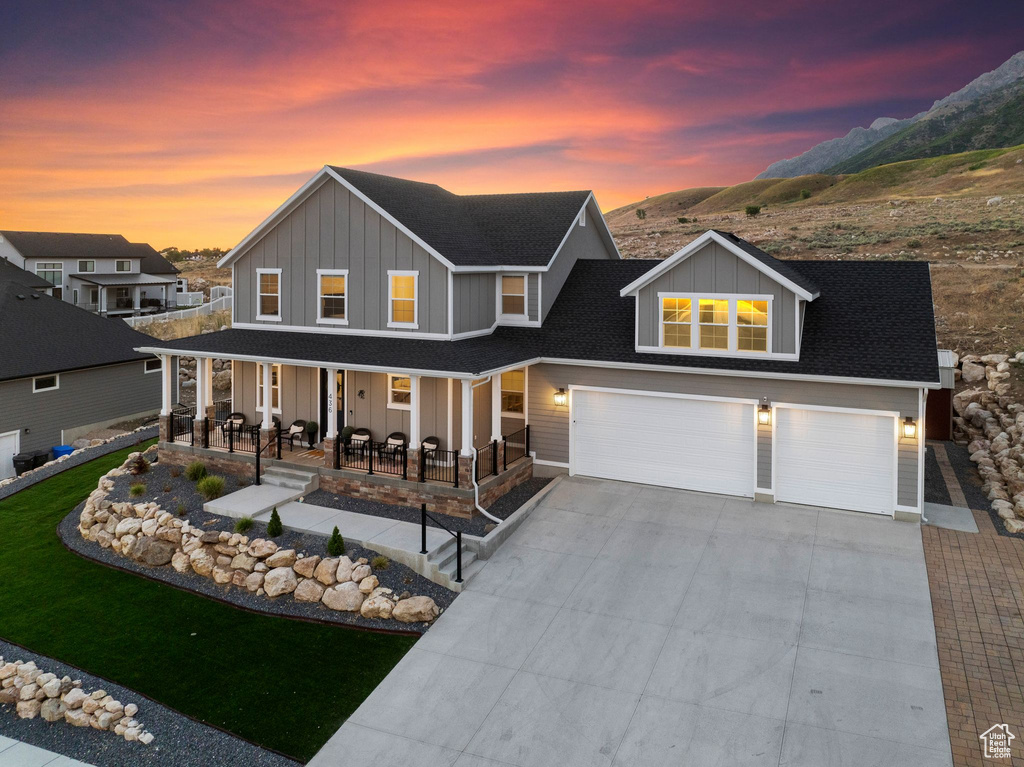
{"points": [[339, 404]]}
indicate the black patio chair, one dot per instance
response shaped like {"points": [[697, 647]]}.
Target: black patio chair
{"points": [[296, 431], [395, 442], [358, 442], [234, 422]]}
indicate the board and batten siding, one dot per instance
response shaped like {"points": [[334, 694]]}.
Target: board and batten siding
{"points": [[334, 229], [713, 269], [299, 397], [549, 424], [583, 242], [93, 397], [764, 456], [475, 296]]}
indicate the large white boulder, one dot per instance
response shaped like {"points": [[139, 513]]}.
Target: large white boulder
{"points": [[280, 580]]}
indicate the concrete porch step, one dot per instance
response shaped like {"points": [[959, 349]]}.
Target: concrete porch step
{"points": [[443, 561], [252, 501], [291, 478]]}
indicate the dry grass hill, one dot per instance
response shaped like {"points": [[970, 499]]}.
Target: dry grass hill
{"points": [[940, 210]]}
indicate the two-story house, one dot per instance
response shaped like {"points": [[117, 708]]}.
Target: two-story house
{"points": [[103, 273], [494, 333]]}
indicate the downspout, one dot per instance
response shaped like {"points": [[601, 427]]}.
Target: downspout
{"points": [[476, 487]]}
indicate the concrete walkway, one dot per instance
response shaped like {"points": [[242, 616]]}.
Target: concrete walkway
{"points": [[630, 625], [14, 753]]}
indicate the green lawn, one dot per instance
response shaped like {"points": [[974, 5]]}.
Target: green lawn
{"points": [[284, 684]]}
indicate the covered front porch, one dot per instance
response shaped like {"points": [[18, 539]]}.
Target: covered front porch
{"points": [[123, 294]]}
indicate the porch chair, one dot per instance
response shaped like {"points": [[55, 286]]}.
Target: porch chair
{"points": [[429, 447], [296, 430], [358, 442], [234, 422], [394, 443]]}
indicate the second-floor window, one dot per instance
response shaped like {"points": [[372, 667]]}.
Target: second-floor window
{"points": [[513, 295], [714, 323], [123, 266], [87, 266], [52, 272], [402, 312], [333, 298], [268, 298]]}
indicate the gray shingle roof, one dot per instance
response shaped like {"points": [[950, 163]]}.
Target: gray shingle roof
{"points": [[44, 335], [475, 230], [72, 245], [782, 267], [11, 273], [873, 320]]}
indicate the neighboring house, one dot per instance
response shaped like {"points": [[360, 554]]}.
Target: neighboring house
{"points": [[64, 372], [395, 306], [103, 273]]}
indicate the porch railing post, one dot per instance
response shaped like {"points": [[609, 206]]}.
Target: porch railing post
{"points": [[527, 440], [206, 432], [231, 436], [337, 451], [369, 456], [494, 457], [419, 474], [259, 449], [423, 528], [504, 453], [455, 467], [405, 463], [458, 556], [279, 443]]}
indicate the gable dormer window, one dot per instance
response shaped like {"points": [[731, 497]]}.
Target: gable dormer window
{"points": [[403, 311], [722, 325], [513, 295], [268, 299]]}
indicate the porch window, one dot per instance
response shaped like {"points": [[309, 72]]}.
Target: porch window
{"points": [[713, 320], [52, 272], [268, 282], [399, 392], [402, 299], [513, 294], [751, 326], [676, 322], [45, 383], [333, 297], [513, 393], [123, 266], [87, 266], [275, 387]]}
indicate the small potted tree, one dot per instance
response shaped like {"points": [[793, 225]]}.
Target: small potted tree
{"points": [[312, 429]]}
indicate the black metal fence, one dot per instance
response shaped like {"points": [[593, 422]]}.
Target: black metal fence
{"points": [[517, 445], [372, 457], [457, 535], [439, 466], [226, 435], [182, 424], [222, 409], [487, 460]]}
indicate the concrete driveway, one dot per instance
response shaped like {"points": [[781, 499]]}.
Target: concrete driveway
{"points": [[631, 625]]}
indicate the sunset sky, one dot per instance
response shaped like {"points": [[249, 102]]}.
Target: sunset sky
{"points": [[185, 123]]}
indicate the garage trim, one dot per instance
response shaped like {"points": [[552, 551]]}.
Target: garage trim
{"points": [[666, 395], [895, 415], [17, 444]]}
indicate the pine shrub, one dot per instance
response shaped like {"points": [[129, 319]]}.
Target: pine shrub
{"points": [[336, 545]]}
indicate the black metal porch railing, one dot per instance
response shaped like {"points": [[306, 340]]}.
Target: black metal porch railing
{"points": [[457, 535], [221, 409], [234, 438], [182, 424], [487, 460], [439, 466], [517, 445], [371, 457]]}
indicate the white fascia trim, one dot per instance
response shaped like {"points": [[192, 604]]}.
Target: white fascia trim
{"points": [[708, 236], [321, 320], [344, 331], [474, 333], [311, 363], [451, 304], [664, 394]]}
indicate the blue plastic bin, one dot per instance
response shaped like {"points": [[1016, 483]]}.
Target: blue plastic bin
{"points": [[60, 450]]}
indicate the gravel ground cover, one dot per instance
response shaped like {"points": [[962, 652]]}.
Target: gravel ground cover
{"points": [[935, 490], [478, 525], [78, 459], [396, 577], [970, 483], [178, 740]]}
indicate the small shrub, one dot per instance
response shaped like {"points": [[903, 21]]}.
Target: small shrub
{"points": [[167, 487], [175, 472], [805, 193], [195, 471], [182, 511], [683, 220], [914, 243], [211, 487], [274, 526], [243, 525], [641, 213], [137, 490], [380, 562], [752, 210], [138, 465], [336, 545]]}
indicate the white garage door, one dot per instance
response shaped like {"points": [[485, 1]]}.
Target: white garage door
{"points": [[838, 460], [8, 449], [686, 443]]}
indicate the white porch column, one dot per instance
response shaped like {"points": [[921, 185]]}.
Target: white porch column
{"points": [[268, 397], [414, 412], [467, 417], [208, 378], [136, 299], [166, 388], [332, 402], [201, 375], [103, 300], [496, 408]]}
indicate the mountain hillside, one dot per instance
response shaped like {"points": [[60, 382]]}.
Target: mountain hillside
{"points": [[836, 152]]}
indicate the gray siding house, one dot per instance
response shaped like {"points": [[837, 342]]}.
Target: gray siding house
{"points": [[492, 334], [65, 372]]}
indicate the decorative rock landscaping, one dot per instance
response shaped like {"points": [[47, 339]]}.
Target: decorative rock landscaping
{"points": [[143, 534], [34, 692], [992, 424]]}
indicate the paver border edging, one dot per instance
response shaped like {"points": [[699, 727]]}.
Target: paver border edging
{"points": [[111, 682], [228, 602]]}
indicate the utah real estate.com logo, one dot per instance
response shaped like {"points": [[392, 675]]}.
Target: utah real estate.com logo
{"points": [[996, 740]]}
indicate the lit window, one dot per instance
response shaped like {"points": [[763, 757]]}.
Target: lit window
{"points": [[123, 266], [52, 272], [46, 383], [676, 321], [713, 320], [513, 294], [751, 326], [333, 299], [269, 298], [275, 387], [513, 392], [403, 299], [87, 266], [399, 392]]}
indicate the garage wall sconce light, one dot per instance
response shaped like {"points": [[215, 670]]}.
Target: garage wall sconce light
{"points": [[560, 398], [909, 428], [764, 415]]}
